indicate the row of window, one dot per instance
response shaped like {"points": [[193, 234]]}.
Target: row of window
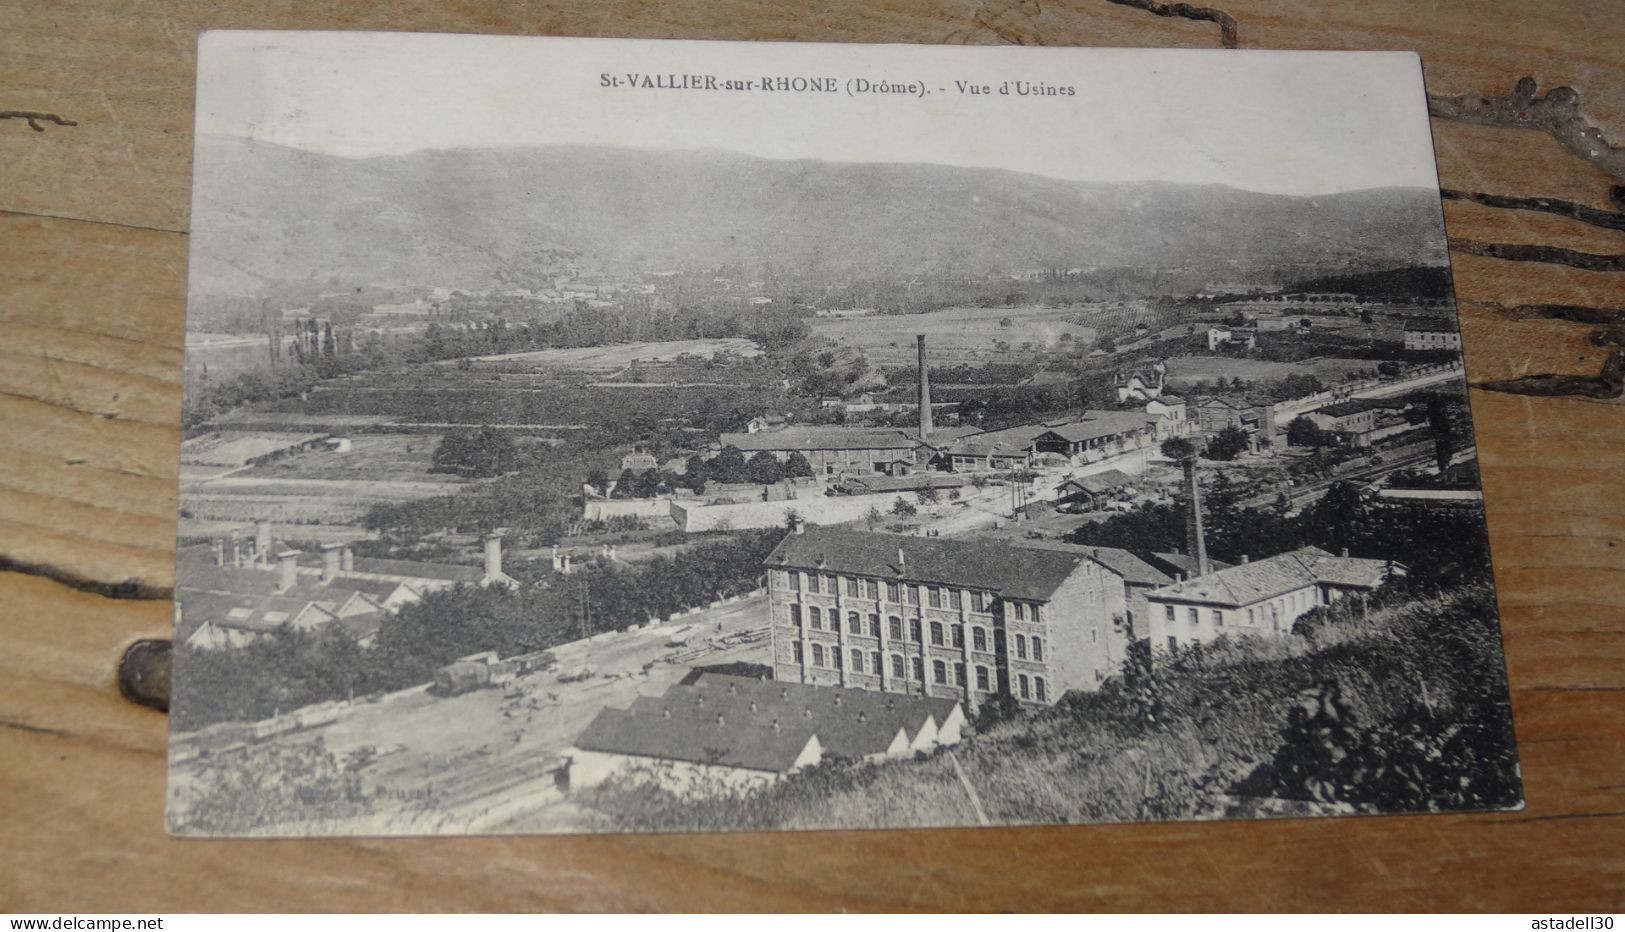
{"points": [[941, 635], [896, 592], [942, 673], [1293, 602]]}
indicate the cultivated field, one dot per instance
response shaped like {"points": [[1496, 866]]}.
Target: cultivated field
{"points": [[621, 355], [1187, 369], [958, 334], [375, 457]]}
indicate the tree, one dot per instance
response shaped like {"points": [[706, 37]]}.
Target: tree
{"points": [[1178, 449], [1227, 444], [764, 469], [904, 508], [1303, 432], [1443, 431], [797, 465], [873, 517], [478, 453], [928, 496], [729, 465]]}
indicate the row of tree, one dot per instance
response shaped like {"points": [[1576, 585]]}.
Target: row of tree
{"points": [[1439, 546], [289, 669]]}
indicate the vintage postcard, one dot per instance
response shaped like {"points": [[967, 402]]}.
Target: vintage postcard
{"points": [[623, 436]]}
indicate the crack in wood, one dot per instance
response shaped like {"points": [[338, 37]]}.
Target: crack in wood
{"points": [[1528, 252], [1557, 114], [1608, 384], [36, 118], [1573, 313], [131, 588], [1561, 817], [35, 729], [1607, 219], [1226, 22]]}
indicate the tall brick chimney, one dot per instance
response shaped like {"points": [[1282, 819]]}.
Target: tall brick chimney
{"points": [[925, 389], [1195, 540]]}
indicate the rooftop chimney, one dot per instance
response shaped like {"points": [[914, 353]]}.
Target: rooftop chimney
{"points": [[330, 562], [925, 390], [1244, 558], [902, 560], [219, 552], [493, 556], [1345, 551], [262, 542], [719, 720], [347, 559], [287, 563], [798, 525]]}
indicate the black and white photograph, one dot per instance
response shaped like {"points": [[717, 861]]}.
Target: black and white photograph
{"points": [[616, 436]]}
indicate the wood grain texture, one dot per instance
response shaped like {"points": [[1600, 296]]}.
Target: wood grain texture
{"points": [[92, 283]]}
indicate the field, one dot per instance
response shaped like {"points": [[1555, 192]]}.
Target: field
{"points": [[376, 457], [957, 334], [621, 355], [1188, 369]]}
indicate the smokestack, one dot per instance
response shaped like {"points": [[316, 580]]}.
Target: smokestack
{"points": [[493, 556], [1195, 541], [925, 389], [330, 562], [262, 542], [288, 566]]}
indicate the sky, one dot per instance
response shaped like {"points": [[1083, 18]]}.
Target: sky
{"points": [[1271, 121]]}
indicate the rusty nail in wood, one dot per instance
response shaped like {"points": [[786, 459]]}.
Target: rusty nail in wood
{"points": [[143, 674]]}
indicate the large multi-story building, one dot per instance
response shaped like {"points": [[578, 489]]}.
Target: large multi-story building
{"points": [[835, 451], [1263, 597], [949, 618], [1432, 335]]}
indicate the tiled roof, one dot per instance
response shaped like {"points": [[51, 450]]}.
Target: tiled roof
{"points": [[1134, 570], [876, 484], [1179, 563], [1248, 583], [730, 721], [258, 614], [674, 727], [849, 723], [1431, 325], [257, 581], [1099, 482], [1009, 570], [1100, 424], [822, 438], [1343, 409], [450, 572]]}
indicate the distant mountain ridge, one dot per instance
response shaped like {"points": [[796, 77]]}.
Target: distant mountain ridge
{"points": [[477, 218]]}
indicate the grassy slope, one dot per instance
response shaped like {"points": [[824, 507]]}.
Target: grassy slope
{"points": [[1218, 721]]}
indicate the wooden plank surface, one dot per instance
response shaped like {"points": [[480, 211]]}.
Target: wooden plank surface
{"points": [[92, 283]]}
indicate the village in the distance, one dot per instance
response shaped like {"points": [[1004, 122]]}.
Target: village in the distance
{"points": [[603, 546]]}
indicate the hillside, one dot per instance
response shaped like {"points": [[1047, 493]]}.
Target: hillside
{"points": [[477, 218], [1401, 712]]}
